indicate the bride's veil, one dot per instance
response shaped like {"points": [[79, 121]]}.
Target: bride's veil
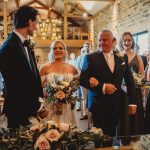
{"points": [[50, 55]]}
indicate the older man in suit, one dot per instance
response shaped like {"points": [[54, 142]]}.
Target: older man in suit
{"points": [[21, 77], [102, 73]]}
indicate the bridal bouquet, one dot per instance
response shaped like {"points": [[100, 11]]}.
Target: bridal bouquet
{"points": [[62, 89]]}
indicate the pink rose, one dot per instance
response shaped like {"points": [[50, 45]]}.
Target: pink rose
{"points": [[60, 95], [52, 135], [42, 143]]}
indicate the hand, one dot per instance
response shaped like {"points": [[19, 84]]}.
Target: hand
{"points": [[132, 109], [43, 113], [93, 82], [110, 88]]}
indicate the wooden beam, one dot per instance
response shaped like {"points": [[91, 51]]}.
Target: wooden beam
{"points": [[38, 7], [50, 6], [73, 7], [76, 15], [43, 5], [52, 3], [30, 3], [57, 13], [100, 0], [76, 7], [17, 3]]}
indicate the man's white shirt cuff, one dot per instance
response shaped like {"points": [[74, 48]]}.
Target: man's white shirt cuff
{"points": [[103, 89]]}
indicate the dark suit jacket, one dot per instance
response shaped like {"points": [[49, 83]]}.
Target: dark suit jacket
{"points": [[22, 85], [96, 66]]}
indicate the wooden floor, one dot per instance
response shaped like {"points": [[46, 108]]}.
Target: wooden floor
{"points": [[81, 124]]}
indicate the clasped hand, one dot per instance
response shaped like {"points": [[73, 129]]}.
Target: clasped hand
{"points": [[93, 82], [110, 88], [43, 113]]}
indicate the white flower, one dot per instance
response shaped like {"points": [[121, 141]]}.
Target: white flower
{"points": [[137, 78], [68, 77], [97, 131], [35, 127], [54, 85], [65, 83], [52, 135], [51, 123], [61, 87], [63, 127], [120, 53]]}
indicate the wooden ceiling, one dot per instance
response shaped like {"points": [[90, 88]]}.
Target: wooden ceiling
{"points": [[55, 8]]}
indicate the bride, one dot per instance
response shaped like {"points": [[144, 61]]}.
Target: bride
{"points": [[58, 67]]}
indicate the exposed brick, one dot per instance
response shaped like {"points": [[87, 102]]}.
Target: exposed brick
{"points": [[132, 14]]}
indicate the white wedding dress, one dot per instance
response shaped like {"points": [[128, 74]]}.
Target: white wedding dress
{"points": [[68, 115]]}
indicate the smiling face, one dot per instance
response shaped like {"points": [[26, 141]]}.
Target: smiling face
{"points": [[58, 51], [127, 42], [106, 41]]}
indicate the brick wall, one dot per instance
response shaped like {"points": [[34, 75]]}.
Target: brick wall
{"points": [[121, 16]]}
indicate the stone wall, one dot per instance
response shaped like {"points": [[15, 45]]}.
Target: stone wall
{"points": [[121, 16]]}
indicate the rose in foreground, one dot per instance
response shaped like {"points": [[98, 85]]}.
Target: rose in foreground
{"points": [[42, 143], [52, 135], [97, 130]]}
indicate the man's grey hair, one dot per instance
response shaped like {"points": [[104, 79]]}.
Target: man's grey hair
{"points": [[103, 31]]}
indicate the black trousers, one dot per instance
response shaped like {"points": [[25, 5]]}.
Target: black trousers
{"points": [[14, 121]]}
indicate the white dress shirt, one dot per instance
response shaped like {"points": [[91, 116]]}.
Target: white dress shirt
{"points": [[109, 57]]}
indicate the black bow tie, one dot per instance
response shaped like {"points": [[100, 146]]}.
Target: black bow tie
{"points": [[26, 43]]}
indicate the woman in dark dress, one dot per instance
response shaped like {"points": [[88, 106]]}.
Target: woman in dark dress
{"points": [[132, 124], [147, 112]]}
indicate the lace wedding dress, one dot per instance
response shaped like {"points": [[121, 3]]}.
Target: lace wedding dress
{"points": [[68, 115]]}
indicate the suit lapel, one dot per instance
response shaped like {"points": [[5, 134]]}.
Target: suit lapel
{"points": [[21, 49], [105, 64], [117, 64]]}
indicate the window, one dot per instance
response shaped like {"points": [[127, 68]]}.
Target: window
{"points": [[142, 40]]}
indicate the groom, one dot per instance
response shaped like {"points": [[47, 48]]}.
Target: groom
{"points": [[21, 77], [102, 73]]}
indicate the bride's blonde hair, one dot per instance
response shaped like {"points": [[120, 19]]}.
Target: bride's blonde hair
{"points": [[51, 56]]}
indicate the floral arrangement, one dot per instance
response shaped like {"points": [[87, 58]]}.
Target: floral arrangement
{"points": [[138, 78], [49, 135], [61, 89]]}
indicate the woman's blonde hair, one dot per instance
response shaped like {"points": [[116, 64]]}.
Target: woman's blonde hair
{"points": [[51, 56]]}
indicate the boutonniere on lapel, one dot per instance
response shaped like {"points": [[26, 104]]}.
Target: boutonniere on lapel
{"points": [[121, 55], [30, 44]]}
